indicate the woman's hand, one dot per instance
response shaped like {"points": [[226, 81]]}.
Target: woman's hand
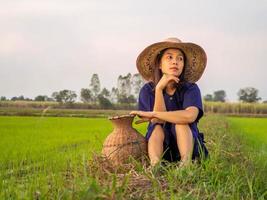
{"points": [[145, 116], [165, 79]]}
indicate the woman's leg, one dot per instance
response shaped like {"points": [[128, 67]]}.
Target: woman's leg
{"points": [[155, 145], [185, 142]]}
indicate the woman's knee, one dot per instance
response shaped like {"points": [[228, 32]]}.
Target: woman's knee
{"points": [[184, 131], [182, 127], [157, 133]]}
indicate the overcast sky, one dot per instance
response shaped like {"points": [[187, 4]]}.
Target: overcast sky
{"points": [[50, 45]]}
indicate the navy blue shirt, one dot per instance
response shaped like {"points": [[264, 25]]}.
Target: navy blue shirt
{"points": [[187, 95]]}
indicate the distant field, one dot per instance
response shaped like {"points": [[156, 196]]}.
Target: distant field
{"points": [[252, 129], [47, 158], [58, 112], [78, 109]]}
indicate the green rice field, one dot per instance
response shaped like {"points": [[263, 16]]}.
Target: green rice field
{"points": [[252, 129], [50, 158]]}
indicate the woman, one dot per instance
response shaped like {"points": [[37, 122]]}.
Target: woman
{"points": [[171, 101]]}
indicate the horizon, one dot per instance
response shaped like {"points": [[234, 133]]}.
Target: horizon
{"points": [[109, 89]]}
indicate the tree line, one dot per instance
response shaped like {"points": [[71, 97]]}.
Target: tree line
{"points": [[246, 95], [126, 92]]}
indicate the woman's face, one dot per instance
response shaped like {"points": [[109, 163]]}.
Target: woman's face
{"points": [[172, 62]]}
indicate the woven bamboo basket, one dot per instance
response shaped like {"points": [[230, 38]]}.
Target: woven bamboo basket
{"points": [[124, 141]]}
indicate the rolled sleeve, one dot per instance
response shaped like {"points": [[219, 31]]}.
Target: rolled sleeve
{"points": [[192, 97], [144, 100]]}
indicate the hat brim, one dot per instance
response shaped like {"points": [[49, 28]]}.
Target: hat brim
{"points": [[195, 64]]}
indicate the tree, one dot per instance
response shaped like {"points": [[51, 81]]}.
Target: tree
{"points": [[104, 102], [124, 85], [57, 97], [248, 94], [20, 98], [219, 95], [64, 96], [124, 89], [131, 99], [3, 98], [208, 97], [136, 84], [105, 93], [114, 95], [41, 98], [95, 86], [50, 99], [86, 95], [126, 99]]}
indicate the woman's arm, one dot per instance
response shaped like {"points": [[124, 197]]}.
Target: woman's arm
{"points": [[159, 104], [186, 116]]}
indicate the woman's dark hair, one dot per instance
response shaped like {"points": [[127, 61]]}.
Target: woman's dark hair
{"points": [[158, 73]]}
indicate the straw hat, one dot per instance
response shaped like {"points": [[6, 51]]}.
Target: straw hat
{"points": [[195, 61]]}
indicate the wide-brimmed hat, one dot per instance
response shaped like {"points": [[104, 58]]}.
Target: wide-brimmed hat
{"points": [[195, 59]]}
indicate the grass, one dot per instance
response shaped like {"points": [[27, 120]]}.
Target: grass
{"points": [[236, 108], [253, 132], [253, 129], [30, 136], [51, 158]]}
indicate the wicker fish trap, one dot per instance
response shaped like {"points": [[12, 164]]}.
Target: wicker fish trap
{"points": [[124, 141]]}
